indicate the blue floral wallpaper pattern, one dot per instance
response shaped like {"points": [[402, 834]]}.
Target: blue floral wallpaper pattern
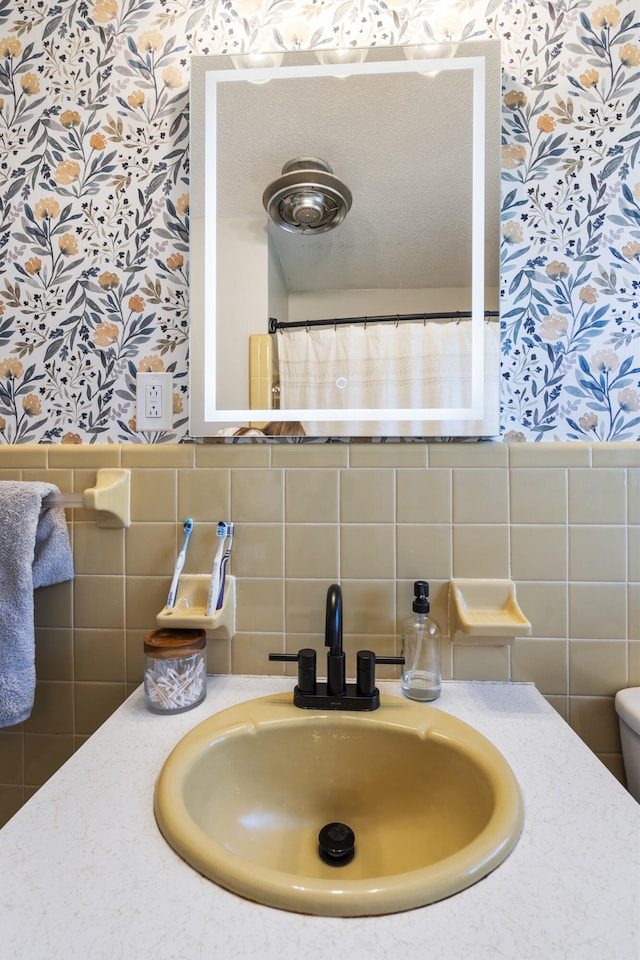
{"points": [[94, 200]]}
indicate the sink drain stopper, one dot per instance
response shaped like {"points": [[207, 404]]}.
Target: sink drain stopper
{"points": [[336, 844]]}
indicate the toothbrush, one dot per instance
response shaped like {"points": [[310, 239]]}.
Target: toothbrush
{"points": [[173, 589], [225, 563], [214, 584]]}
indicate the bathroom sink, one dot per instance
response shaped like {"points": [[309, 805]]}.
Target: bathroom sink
{"points": [[432, 804]]}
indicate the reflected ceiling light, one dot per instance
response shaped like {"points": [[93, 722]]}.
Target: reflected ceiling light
{"points": [[308, 197], [430, 51], [342, 55], [251, 61], [248, 60]]}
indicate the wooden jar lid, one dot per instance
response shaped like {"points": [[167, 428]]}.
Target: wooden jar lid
{"points": [[174, 643]]}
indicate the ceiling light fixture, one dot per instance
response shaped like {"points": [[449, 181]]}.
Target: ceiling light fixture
{"points": [[307, 198]]}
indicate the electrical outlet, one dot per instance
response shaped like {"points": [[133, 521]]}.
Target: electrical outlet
{"points": [[154, 401]]}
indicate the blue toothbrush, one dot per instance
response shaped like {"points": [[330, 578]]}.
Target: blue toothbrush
{"points": [[214, 584], [173, 589], [225, 563]]}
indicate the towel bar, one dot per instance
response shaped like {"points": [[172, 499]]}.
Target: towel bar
{"points": [[71, 500], [109, 498]]}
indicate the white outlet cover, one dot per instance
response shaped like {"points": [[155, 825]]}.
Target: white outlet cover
{"points": [[165, 382]]}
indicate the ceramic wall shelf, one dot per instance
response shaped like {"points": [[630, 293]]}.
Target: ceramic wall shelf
{"points": [[485, 612]]}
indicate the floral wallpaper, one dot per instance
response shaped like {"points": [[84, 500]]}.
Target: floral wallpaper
{"points": [[94, 200]]}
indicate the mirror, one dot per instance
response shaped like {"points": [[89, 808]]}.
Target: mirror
{"points": [[414, 134]]}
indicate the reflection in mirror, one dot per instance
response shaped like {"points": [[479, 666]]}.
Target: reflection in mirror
{"points": [[384, 321]]}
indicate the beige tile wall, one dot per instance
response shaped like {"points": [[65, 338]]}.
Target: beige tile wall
{"points": [[563, 520]]}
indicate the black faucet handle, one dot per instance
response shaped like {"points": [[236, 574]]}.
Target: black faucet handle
{"points": [[306, 660], [366, 670]]}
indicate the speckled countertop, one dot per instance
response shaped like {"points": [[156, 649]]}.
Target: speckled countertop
{"points": [[85, 873]]}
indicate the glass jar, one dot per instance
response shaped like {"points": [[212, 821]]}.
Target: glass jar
{"points": [[175, 670]]}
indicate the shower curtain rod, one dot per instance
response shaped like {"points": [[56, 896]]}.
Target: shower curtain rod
{"points": [[275, 325]]}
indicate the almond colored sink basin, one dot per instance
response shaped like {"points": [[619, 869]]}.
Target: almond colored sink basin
{"points": [[433, 805]]}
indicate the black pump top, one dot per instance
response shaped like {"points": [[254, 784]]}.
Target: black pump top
{"points": [[421, 592]]}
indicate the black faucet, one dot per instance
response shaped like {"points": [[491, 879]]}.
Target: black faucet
{"points": [[335, 693], [336, 672]]}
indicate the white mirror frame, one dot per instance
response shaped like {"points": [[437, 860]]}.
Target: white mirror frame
{"points": [[205, 417]]}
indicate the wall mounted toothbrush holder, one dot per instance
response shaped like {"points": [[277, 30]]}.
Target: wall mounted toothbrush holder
{"points": [[485, 612], [191, 605]]}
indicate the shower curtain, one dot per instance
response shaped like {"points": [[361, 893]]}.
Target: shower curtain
{"points": [[386, 366]]}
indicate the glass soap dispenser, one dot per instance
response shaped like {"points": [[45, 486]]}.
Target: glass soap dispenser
{"points": [[421, 649]]}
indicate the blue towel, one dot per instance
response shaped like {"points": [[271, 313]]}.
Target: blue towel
{"points": [[34, 552]]}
